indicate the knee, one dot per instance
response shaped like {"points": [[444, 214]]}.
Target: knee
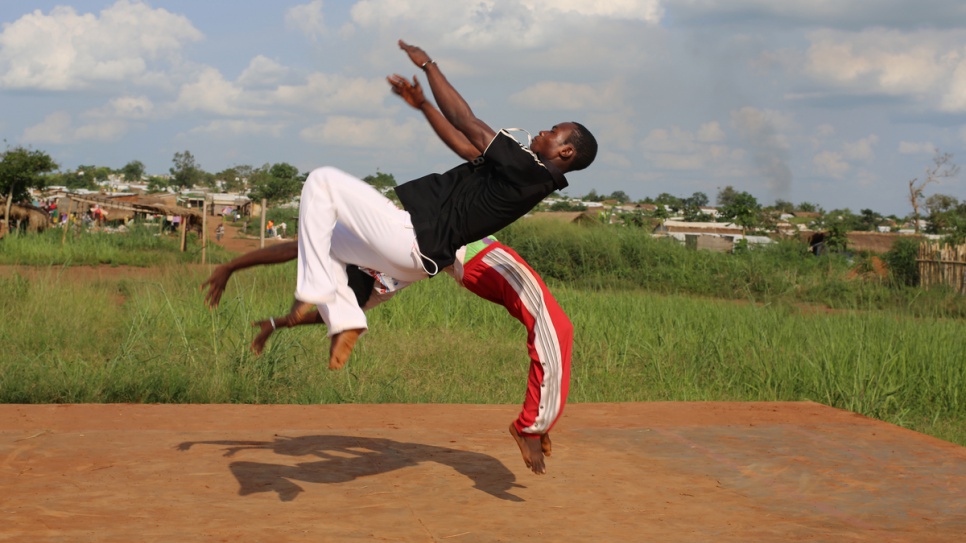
{"points": [[322, 175]]}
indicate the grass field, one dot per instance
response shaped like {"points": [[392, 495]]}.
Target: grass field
{"points": [[883, 351]]}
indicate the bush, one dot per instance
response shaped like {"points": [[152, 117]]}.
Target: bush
{"points": [[901, 259]]}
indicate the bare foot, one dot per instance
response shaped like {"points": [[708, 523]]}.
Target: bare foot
{"points": [[532, 450], [342, 345], [265, 331]]}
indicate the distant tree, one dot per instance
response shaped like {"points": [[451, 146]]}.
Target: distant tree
{"points": [[157, 184], [185, 172], [133, 171], [693, 213], [620, 196], [88, 177], [837, 237], [944, 214], [660, 212], [784, 206], [592, 196], [20, 170], [673, 202], [809, 207], [726, 196], [843, 219], [567, 205], [381, 180], [231, 179], [868, 221], [943, 168], [276, 183], [82, 178], [741, 208], [699, 199], [691, 208]]}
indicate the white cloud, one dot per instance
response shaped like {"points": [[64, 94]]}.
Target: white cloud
{"points": [[710, 132], [824, 130], [263, 72], [551, 95], [486, 23], [831, 163], [954, 98], [927, 65], [678, 149], [919, 147], [828, 12], [125, 107], [307, 18], [649, 11], [325, 93], [53, 129], [58, 128], [65, 50], [106, 130], [358, 132], [229, 128], [211, 93], [861, 149], [837, 164]]}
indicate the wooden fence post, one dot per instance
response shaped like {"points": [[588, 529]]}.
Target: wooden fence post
{"points": [[70, 207], [204, 230], [184, 233], [264, 213]]}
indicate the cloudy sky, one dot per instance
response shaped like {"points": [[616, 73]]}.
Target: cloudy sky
{"points": [[834, 102]]}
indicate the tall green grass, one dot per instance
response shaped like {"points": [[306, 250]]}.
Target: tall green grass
{"points": [[653, 321], [153, 341], [603, 258], [140, 246]]}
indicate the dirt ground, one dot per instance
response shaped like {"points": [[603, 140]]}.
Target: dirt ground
{"points": [[234, 241], [436, 473]]}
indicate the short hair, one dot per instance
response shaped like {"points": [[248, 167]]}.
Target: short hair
{"points": [[585, 146]]}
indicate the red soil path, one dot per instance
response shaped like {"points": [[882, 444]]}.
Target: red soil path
{"points": [[666, 472]]}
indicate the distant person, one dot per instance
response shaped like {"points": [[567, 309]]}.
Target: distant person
{"points": [[219, 232]]}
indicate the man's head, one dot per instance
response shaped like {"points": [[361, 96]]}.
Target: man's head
{"points": [[569, 146]]}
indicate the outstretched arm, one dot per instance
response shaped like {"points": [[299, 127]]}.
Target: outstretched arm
{"points": [[412, 94], [282, 252], [450, 103]]}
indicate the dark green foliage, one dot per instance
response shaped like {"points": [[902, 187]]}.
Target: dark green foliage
{"points": [[901, 260], [782, 272]]}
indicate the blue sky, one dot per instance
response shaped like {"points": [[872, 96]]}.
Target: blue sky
{"points": [[835, 102]]}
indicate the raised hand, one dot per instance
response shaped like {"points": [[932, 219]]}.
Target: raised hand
{"points": [[216, 285], [412, 93], [417, 55]]}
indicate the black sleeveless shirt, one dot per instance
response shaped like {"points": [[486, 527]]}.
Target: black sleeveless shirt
{"points": [[477, 198]]}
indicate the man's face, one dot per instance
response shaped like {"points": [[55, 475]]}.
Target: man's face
{"points": [[547, 142]]}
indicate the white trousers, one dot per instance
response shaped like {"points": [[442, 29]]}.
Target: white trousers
{"points": [[343, 220]]}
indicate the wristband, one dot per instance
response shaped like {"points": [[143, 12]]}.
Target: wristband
{"points": [[427, 63]]}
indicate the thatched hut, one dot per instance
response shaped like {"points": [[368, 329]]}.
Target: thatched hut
{"points": [[32, 218]]}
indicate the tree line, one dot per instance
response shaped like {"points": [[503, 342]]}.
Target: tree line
{"points": [[23, 168]]}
